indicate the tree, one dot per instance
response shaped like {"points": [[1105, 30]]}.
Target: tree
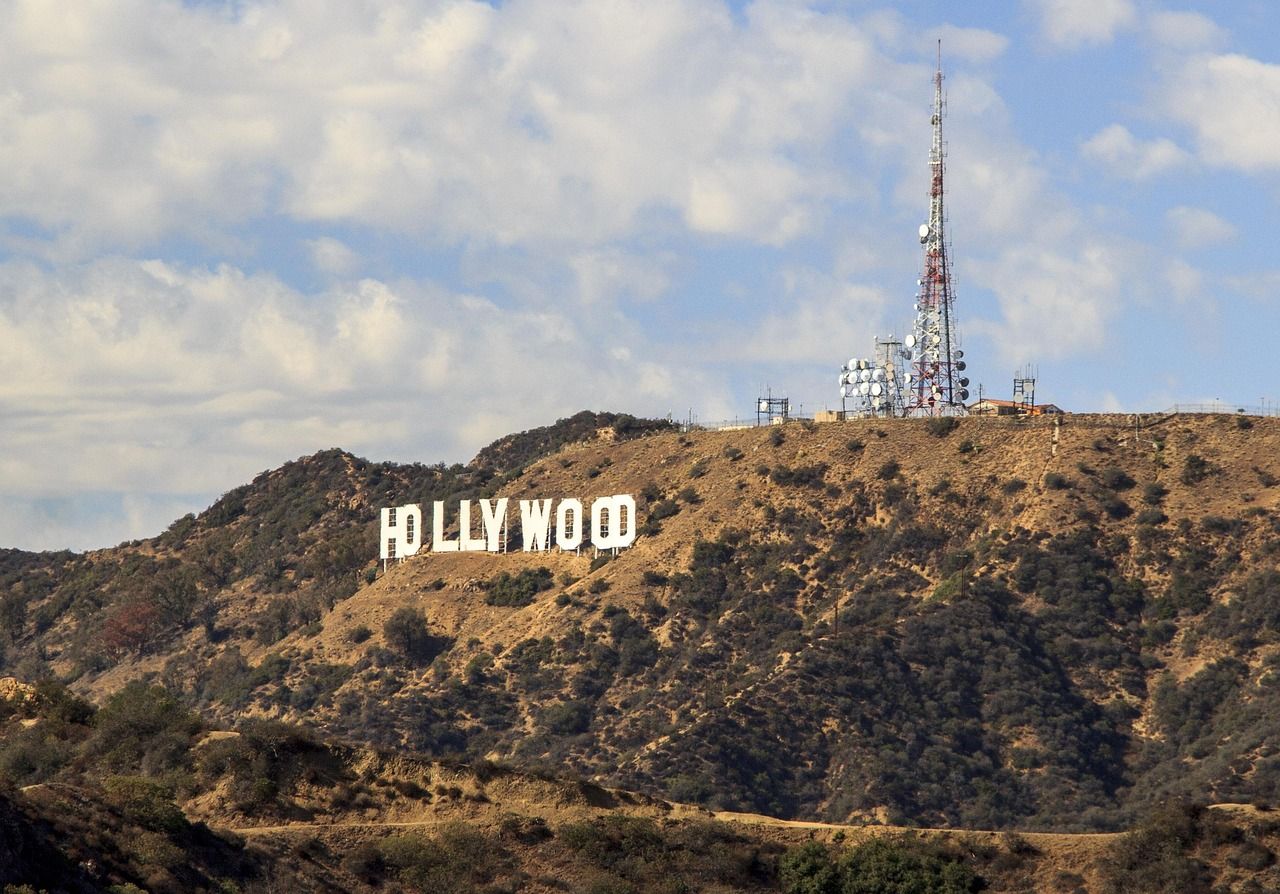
{"points": [[406, 631], [808, 869], [130, 628]]}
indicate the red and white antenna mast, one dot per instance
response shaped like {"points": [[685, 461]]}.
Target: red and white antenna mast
{"points": [[936, 386]]}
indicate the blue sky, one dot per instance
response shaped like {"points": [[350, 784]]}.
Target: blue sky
{"points": [[232, 234]]}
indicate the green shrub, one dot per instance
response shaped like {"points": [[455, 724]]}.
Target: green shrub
{"points": [[519, 589], [808, 869], [801, 476], [145, 802]]}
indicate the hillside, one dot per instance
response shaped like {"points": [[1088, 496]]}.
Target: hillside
{"points": [[151, 798], [1001, 626]]}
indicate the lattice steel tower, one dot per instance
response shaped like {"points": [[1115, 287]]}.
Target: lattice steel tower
{"points": [[936, 386]]}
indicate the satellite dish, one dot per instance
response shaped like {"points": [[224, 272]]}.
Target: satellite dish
{"points": [[853, 363], [877, 374], [960, 365], [906, 355], [764, 406], [924, 232], [844, 390], [935, 339], [876, 402], [959, 354], [841, 379], [864, 389], [964, 394], [964, 383], [876, 389]]}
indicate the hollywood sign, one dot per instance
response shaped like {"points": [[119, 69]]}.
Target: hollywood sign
{"points": [[612, 526]]}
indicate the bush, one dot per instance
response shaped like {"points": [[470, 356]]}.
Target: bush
{"points": [[776, 437], [855, 445], [808, 869], [801, 476], [1116, 479], [1056, 481], [941, 426], [146, 803], [1116, 508], [1154, 493], [1195, 469], [518, 590], [877, 866], [689, 495], [1151, 517], [733, 454], [359, 634], [890, 469]]}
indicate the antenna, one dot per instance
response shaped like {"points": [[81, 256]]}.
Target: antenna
{"points": [[933, 354], [921, 375]]}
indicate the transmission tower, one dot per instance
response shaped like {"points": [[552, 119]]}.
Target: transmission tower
{"points": [[935, 364]]}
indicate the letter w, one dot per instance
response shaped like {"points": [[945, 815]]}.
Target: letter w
{"points": [[535, 524]]}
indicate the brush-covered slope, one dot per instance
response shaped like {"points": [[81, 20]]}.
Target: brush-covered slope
{"points": [[994, 625]]}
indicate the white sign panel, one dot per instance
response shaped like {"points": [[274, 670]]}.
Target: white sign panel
{"points": [[611, 524]]}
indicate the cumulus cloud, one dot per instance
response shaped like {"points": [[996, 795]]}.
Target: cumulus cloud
{"points": [[529, 122], [973, 44], [1229, 103], [332, 257], [1197, 227], [1132, 158], [1071, 24], [1054, 303], [151, 379], [1184, 30]]}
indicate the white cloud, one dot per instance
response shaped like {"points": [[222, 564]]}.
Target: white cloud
{"points": [[529, 122], [1054, 303], [1132, 158], [151, 379], [1185, 30], [1230, 103], [1197, 227], [332, 257], [1071, 24], [972, 44]]}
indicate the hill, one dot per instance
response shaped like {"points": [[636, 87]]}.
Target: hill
{"points": [[998, 625]]}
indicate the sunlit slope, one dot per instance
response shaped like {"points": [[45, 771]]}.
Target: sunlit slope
{"points": [[1003, 624]]}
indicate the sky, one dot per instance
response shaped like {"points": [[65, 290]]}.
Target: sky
{"points": [[236, 233]]}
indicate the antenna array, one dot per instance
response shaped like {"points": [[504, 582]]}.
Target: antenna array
{"points": [[927, 367]]}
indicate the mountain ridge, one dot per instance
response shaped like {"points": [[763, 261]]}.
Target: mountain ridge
{"points": [[1070, 563]]}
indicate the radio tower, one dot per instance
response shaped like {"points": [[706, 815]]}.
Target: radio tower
{"points": [[932, 349]]}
